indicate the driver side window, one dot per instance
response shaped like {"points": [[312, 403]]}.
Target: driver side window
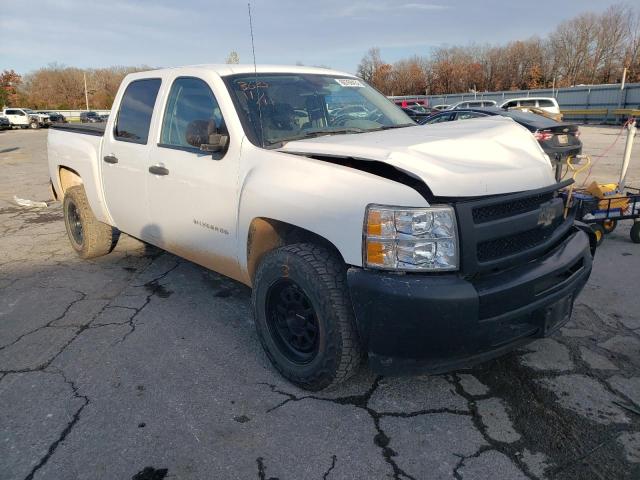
{"points": [[191, 108]]}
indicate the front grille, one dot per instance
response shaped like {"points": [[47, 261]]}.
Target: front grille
{"points": [[511, 208], [501, 232], [513, 244]]}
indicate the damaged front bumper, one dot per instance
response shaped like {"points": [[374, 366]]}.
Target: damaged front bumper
{"points": [[436, 323]]}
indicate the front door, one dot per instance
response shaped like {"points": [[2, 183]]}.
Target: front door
{"points": [[193, 193], [125, 154]]}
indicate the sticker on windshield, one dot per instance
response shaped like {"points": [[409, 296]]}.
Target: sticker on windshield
{"points": [[349, 82]]}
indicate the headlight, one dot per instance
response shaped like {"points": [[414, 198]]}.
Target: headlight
{"points": [[411, 239]]}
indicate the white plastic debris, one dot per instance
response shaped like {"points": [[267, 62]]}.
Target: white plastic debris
{"points": [[23, 202]]}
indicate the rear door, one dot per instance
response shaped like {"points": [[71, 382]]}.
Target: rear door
{"points": [[124, 161], [193, 194]]}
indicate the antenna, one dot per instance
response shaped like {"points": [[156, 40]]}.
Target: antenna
{"points": [[255, 73]]}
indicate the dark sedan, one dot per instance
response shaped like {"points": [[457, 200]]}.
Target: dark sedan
{"points": [[559, 140], [5, 124], [55, 117], [91, 117], [416, 111]]}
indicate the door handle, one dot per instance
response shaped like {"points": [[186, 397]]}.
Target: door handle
{"points": [[158, 170], [110, 159]]}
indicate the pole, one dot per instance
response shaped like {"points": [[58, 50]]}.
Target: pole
{"points": [[631, 132], [624, 77], [86, 94]]}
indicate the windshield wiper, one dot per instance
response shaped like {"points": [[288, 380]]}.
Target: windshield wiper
{"points": [[402, 125], [322, 131]]}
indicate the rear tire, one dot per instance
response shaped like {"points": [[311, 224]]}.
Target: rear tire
{"points": [[635, 232], [89, 237], [303, 315]]}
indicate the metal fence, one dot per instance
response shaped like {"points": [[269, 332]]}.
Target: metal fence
{"points": [[597, 103]]}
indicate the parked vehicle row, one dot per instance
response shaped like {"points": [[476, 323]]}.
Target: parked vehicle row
{"points": [[362, 234]]}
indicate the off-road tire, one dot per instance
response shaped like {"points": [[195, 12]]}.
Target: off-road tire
{"points": [[34, 125], [97, 238], [321, 275]]}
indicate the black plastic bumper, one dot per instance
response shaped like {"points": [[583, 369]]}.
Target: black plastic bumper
{"points": [[436, 323]]}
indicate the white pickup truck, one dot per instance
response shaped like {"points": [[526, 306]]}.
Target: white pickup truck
{"points": [[26, 118], [417, 248]]}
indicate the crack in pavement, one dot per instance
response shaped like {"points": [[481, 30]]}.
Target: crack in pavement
{"points": [[508, 449], [381, 439], [82, 296], [326, 474], [44, 366], [67, 429], [155, 289]]}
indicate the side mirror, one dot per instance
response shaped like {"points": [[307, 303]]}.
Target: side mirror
{"points": [[216, 143], [204, 135]]}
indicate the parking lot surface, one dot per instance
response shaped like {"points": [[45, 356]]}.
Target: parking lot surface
{"points": [[141, 365]]}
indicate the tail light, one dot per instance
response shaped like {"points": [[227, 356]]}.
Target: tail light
{"points": [[542, 136]]}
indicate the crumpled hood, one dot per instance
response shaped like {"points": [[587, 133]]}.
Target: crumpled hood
{"points": [[484, 156]]}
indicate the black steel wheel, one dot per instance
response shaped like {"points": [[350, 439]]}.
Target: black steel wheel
{"points": [[303, 315], [88, 236], [292, 321], [75, 224]]}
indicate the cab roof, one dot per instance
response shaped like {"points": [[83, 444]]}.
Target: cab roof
{"points": [[232, 69]]}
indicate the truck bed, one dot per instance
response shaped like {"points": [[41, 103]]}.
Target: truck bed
{"points": [[85, 128]]}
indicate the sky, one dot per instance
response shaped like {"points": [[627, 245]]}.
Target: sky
{"points": [[334, 33]]}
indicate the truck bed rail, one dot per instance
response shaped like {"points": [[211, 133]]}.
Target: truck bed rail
{"points": [[85, 128]]}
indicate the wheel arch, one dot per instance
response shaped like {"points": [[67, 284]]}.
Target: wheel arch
{"points": [[266, 234], [67, 178]]}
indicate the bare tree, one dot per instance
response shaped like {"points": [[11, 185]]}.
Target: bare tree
{"points": [[233, 58]]}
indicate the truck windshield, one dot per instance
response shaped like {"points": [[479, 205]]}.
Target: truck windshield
{"points": [[283, 107]]}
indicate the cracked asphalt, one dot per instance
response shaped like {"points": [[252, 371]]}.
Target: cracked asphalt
{"points": [[140, 365]]}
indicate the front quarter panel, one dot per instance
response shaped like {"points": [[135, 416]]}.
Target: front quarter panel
{"points": [[326, 199]]}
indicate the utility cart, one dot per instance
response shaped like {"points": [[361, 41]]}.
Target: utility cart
{"points": [[602, 206]]}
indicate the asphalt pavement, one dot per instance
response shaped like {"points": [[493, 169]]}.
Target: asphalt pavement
{"points": [[141, 365]]}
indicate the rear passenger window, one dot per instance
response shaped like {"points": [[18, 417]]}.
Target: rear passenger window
{"points": [[136, 109], [545, 103], [527, 103], [191, 115]]}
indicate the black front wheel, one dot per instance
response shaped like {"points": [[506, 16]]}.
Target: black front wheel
{"points": [[304, 317]]}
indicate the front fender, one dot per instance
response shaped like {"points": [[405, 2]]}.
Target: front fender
{"points": [[324, 198]]}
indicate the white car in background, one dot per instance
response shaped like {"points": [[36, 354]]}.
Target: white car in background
{"points": [[548, 104], [473, 104]]}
